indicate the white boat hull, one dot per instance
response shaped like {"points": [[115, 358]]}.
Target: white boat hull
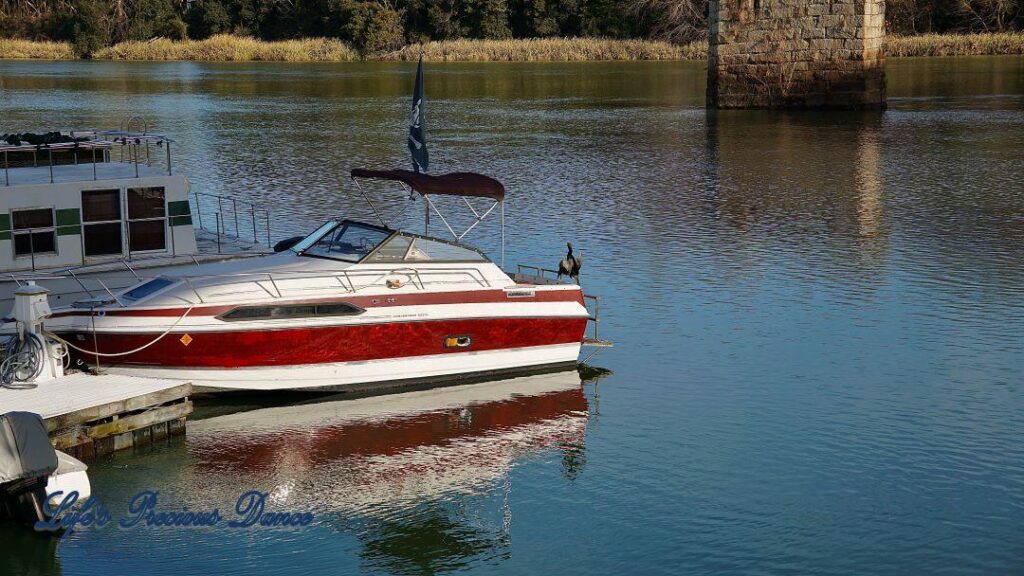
{"points": [[355, 375]]}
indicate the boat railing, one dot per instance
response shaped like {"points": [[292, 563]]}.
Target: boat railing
{"points": [[231, 218], [351, 281], [536, 275], [97, 148]]}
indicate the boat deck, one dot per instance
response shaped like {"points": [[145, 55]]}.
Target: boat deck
{"points": [[90, 415]]}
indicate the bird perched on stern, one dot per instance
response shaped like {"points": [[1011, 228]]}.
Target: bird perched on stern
{"points": [[570, 265]]}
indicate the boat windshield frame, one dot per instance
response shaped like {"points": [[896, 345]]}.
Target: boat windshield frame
{"points": [[329, 227]]}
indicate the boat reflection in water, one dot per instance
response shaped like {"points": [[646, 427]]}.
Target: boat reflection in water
{"points": [[421, 478]]}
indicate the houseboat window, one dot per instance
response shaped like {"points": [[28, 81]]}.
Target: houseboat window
{"points": [[147, 214], [349, 242], [292, 311], [33, 231], [101, 222], [147, 289]]}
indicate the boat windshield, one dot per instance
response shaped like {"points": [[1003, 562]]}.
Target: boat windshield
{"points": [[347, 241]]}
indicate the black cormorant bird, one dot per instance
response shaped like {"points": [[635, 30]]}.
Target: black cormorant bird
{"points": [[570, 265]]}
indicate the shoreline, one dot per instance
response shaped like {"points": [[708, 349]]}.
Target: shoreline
{"points": [[226, 48]]}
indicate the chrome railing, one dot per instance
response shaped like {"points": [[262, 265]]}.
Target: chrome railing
{"points": [[274, 283], [346, 279], [229, 217]]}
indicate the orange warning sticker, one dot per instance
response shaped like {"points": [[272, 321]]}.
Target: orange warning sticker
{"points": [[186, 339]]}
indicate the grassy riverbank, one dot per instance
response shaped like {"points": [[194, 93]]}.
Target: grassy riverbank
{"points": [[224, 48], [547, 49], [13, 48], [240, 49], [955, 45]]}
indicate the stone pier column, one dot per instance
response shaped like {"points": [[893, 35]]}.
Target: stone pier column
{"points": [[796, 54]]}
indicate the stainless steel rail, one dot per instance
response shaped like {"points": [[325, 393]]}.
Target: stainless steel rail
{"points": [[276, 284], [245, 221], [346, 279]]}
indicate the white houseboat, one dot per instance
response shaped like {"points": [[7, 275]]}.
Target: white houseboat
{"points": [[95, 208]]}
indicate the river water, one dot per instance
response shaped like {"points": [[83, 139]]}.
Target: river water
{"points": [[818, 323]]}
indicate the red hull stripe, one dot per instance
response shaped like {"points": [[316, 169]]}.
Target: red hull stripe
{"points": [[381, 300], [316, 345]]}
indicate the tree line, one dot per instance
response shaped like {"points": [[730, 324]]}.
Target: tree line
{"points": [[383, 25]]}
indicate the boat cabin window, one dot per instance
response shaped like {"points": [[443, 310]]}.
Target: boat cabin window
{"points": [[349, 242], [147, 215], [34, 232], [403, 248], [291, 311], [101, 222], [148, 289]]}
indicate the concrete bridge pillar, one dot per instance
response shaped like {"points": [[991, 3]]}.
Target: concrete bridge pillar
{"points": [[796, 54]]}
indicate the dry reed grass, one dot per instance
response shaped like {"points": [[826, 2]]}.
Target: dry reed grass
{"points": [[242, 49], [226, 48], [955, 44], [546, 50], [13, 48]]}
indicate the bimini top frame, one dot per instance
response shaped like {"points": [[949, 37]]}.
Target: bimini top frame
{"points": [[461, 184]]}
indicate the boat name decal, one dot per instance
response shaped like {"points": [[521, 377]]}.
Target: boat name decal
{"points": [[144, 510]]}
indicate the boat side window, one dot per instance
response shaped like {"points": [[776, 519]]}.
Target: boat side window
{"points": [[291, 311], [147, 216], [34, 232], [101, 222], [403, 248], [393, 250], [424, 250], [349, 242]]}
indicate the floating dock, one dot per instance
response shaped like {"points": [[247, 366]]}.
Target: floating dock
{"points": [[92, 415]]}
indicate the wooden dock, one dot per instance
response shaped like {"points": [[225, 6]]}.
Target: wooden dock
{"points": [[93, 415]]}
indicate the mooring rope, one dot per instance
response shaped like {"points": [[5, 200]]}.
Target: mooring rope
{"points": [[49, 334]]}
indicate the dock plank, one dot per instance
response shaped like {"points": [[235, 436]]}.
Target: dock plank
{"points": [[91, 394]]}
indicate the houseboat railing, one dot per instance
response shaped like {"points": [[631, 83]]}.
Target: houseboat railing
{"points": [[130, 147], [231, 218]]}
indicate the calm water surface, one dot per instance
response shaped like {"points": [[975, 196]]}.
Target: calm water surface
{"points": [[819, 326]]}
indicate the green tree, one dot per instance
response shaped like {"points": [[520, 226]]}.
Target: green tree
{"points": [[486, 19], [86, 26], [370, 26], [206, 18]]}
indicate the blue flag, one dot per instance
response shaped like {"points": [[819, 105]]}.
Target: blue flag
{"points": [[417, 129]]}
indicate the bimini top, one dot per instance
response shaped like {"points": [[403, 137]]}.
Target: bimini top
{"points": [[454, 184]]}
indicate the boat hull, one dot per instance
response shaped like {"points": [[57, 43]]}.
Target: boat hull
{"points": [[369, 375]]}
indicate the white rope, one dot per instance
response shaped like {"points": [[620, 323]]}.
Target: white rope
{"points": [[114, 355]]}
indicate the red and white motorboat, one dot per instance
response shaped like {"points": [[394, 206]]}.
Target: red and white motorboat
{"points": [[351, 304]]}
